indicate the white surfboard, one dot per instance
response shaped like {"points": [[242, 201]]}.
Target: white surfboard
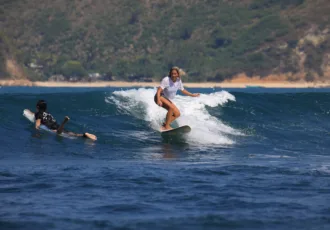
{"points": [[30, 116]]}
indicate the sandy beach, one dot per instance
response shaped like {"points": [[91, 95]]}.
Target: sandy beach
{"points": [[263, 84]]}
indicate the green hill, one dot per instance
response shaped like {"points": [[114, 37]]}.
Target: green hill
{"points": [[133, 40], [10, 68]]}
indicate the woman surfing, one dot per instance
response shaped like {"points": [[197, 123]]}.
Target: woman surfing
{"points": [[167, 91]]}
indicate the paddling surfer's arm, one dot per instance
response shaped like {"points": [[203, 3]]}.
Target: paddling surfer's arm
{"points": [[38, 122], [189, 94], [159, 91]]}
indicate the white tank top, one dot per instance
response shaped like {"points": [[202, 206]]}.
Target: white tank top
{"points": [[170, 88]]}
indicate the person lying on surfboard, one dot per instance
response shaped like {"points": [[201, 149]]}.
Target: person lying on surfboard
{"points": [[166, 92], [42, 117]]}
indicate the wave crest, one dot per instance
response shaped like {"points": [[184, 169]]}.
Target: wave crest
{"points": [[206, 129]]}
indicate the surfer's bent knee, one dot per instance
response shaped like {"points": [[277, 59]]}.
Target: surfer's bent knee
{"points": [[176, 113]]}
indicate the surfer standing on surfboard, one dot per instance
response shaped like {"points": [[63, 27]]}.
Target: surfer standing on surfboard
{"points": [[44, 118], [167, 91]]}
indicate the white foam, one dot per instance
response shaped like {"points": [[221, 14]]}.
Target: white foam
{"points": [[206, 129]]}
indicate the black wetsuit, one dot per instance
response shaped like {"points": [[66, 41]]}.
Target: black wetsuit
{"points": [[47, 120]]}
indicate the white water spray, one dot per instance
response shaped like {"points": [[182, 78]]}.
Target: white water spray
{"points": [[206, 129]]}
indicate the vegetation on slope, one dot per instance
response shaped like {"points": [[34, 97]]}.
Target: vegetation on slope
{"points": [[134, 40]]}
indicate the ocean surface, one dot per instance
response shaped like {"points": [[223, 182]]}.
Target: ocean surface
{"points": [[255, 159]]}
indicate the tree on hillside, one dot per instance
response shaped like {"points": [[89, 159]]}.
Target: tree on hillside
{"points": [[73, 69]]}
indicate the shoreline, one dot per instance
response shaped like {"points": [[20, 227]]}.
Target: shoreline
{"points": [[116, 84]]}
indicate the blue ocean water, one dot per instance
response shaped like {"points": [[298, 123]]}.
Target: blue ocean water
{"points": [[255, 159]]}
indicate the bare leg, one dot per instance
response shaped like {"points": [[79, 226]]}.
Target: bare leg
{"points": [[168, 119], [175, 115], [90, 136], [172, 114], [87, 135], [60, 129]]}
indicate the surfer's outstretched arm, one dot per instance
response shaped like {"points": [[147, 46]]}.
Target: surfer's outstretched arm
{"points": [[60, 129], [186, 92]]}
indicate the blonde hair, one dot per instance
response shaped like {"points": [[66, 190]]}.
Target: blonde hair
{"points": [[181, 72]]}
